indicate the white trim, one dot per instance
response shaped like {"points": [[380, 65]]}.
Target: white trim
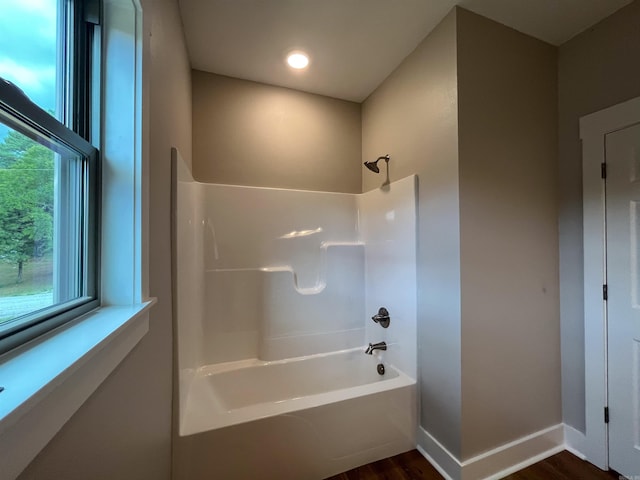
{"points": [[574, 441], [610, 119], [433, 463], [496, 463], [124, 200], [80, 355], [593, 129], [594, 306], [515, 455], [442, 459], [524, 464]]}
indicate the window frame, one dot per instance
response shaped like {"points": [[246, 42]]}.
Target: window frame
{"points": [[39, 396], [75, 131]]}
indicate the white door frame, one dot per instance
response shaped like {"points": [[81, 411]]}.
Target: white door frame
{"points": [[593, 129]]}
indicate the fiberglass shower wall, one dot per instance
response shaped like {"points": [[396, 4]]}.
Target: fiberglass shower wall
{"points": [[284, 273], [272, 274]]}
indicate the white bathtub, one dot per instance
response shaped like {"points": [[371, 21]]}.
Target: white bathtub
{"points": [[300, 419]]}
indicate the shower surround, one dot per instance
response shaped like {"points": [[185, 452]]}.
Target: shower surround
{"points": [[274, 290]]}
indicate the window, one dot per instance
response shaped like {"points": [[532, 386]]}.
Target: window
{"points": [[48, 166], [47, 380]]}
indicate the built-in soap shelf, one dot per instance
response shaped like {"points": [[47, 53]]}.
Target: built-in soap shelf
{"points": [[321, 283], [257, 310], [325, 245]]}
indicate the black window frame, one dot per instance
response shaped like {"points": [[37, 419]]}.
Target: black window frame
{"points": [[77, 131]]}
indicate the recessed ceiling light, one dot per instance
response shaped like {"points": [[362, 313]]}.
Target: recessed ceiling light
{"points": [[297, 60]]}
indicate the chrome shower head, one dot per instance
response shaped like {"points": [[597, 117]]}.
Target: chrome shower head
{"points": [[373, 166]]}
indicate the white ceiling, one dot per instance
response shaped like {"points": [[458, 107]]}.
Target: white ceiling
{"points": [[353, 44]]}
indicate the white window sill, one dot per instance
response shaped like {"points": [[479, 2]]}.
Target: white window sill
{"points": [[46, 381]]}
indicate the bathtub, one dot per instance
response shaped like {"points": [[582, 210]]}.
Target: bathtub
{"points": [[300, 419]]}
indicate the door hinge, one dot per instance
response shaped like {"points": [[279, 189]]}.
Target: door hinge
{"points": [[606, 414], [605, 292], [603, 170]]}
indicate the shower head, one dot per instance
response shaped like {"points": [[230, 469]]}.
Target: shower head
{"points": [[373, 166]]}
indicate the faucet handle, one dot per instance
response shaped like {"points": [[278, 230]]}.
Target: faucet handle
{"points": [[382, 317]]}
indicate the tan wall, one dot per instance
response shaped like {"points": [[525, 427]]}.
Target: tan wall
{"points": [[248, 133], [509, 237], [473, 112], [123, 431], [596, 69], [413, 117]]}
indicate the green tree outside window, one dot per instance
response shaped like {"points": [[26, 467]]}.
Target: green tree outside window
{"points": [[26, 200]]}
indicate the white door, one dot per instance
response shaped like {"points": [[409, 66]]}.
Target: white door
{"points": [[623, 306]]}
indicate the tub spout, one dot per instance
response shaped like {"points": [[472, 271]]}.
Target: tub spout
{"points": [[375, 346]]}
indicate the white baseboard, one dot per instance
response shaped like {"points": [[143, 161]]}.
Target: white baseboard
{"points": [[574, 441], [496, 463], [442, 460]]}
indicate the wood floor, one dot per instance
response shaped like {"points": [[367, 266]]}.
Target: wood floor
{"points": [[413, 466]]}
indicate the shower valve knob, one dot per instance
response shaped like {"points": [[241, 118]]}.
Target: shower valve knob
{"points": [[382, 317]]}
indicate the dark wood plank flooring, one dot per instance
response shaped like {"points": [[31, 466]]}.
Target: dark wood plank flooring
{"points": [[413, 466]]}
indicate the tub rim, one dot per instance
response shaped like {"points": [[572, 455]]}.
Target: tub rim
{"points": [[216, 418]]}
